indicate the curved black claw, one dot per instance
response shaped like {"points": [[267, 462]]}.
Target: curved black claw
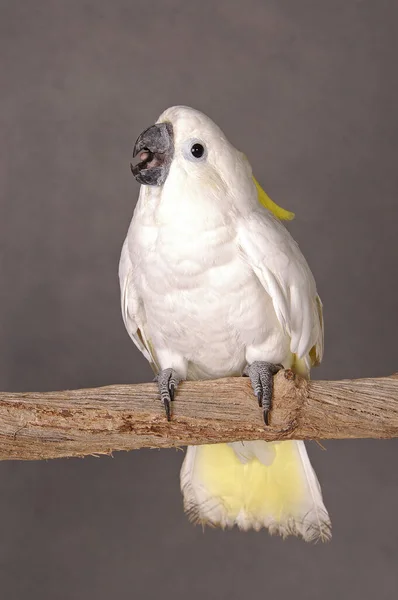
{"points": [[261, 375], [167, 381]]}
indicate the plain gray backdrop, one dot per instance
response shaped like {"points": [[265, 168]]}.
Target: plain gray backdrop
{"points": [[309, 91]]}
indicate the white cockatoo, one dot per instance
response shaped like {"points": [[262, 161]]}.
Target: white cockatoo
{"points": [[213, 285]]}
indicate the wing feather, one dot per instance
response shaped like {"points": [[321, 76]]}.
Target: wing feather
{"points": [[133, 312], [285, 275]]}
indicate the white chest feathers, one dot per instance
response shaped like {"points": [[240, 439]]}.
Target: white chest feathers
{"points": [[201, 298]]}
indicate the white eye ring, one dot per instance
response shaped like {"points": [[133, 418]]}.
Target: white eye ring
{"points": [[194, 150]]}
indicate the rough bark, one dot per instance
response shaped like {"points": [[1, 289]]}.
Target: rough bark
{"points": [[37, 425]]}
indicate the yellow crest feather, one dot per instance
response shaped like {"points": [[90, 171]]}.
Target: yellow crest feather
{"points": [[265, 200]]}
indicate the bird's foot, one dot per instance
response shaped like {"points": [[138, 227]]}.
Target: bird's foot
{"points": [[167, 380], [262, 379]]}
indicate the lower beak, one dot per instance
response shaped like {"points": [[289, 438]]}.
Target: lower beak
{"points": [[155, 147]]}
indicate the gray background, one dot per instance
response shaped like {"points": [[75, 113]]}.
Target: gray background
{"points": [[309, 91]]}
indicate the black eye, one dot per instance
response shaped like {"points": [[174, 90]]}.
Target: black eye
{"points": [[197, 150]]}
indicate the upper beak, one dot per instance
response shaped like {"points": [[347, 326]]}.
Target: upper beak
{"points": [[156, 148]]}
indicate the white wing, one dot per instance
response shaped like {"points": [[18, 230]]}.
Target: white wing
{"points": [[285, 275], [132, 310]]}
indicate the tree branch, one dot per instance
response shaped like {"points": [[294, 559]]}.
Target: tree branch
{"points": [[39, 425]]}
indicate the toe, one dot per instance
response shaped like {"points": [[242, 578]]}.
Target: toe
{"points": [[167, 409], [266, 414], [261, 377], [165, 397], [168, 381]]}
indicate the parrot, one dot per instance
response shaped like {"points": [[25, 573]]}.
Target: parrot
{"points": [[213, 285]]}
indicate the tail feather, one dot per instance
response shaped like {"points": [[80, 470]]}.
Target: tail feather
{"points": [[254, 485]]}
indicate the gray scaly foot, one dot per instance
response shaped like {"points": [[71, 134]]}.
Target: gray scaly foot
{"points": [[167, 381], [262, 379]]}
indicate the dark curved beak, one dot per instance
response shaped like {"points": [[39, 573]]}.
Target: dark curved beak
{"points": [[155, 147]]}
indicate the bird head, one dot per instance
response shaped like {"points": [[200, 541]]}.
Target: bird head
{"points": [[185, 148]]}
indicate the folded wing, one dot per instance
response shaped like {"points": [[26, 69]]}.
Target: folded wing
{"points": [[285, 275]]}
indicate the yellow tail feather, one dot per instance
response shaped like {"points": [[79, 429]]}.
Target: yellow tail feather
{"points": [[253, 485], [272, 489]]}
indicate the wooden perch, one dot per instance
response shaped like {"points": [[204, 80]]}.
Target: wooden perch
{"points": [[39, 425]]}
